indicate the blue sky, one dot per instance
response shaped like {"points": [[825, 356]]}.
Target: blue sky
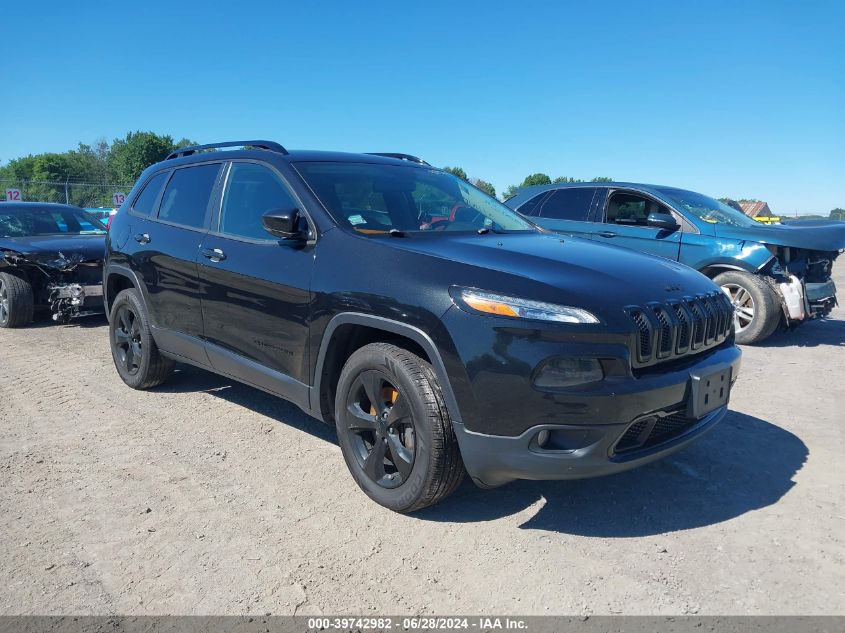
{"points": [[745, 99]]}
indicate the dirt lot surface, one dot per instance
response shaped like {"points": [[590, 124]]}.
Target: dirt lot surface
{"points": [[208, 497]]}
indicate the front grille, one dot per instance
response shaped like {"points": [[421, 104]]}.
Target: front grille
{"points": [[652, 431], [665, 331]]}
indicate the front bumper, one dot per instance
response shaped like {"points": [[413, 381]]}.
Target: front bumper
{"points": [[821, 298], [807, 300], [657, 419]]}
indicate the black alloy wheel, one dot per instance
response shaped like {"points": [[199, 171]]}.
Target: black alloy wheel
{"points": [[381, 429], [133, 348], [394, 429], [127, 339]]}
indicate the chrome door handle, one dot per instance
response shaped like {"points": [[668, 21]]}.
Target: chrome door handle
{"points": [[607, 234], [214, 254]]}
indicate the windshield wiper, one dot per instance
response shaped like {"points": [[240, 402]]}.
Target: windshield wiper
{"points": [[483, 231]]}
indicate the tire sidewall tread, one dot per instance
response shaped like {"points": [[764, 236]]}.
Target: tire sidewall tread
{"points": [[21, 299], [154, 368], [767, 309], [438, 469]]}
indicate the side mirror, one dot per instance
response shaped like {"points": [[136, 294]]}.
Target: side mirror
{"points": [[662, 221], [283, 223]]}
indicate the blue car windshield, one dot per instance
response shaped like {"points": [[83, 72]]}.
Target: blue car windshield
{"points": [[373, 199], [706, 209], [28, 221]]}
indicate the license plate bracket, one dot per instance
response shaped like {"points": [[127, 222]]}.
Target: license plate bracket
{"points": [[708, 392]]}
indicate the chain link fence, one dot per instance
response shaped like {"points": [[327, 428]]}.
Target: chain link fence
{"points": [[81, 194]]}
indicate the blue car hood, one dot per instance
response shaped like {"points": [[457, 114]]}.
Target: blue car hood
{"points": [[827, 237], [56, 251]]}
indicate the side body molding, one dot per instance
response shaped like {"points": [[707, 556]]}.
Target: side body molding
{"points": [[396, 327]]}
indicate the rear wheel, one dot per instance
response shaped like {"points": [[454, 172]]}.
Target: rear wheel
{"points": [[756, 310], [135, 354], [16, 301], [393, 428]]}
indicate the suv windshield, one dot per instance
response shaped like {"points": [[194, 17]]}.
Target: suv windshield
{"points": [[23, 222], [706, 208], [376, 199]]}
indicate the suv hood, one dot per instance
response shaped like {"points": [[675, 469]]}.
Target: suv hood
{"points": [[827, 237], [571, 270], [60, 252]]}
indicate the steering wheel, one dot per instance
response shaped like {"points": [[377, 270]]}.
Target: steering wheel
{"points": [[476, 214], [438, 225]]}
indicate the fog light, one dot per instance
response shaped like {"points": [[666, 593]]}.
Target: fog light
{"points": [[561, 373]]}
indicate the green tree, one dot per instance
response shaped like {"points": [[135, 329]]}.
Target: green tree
{"points": [[529, 181], [51, 177], [485, 186], [837, 214], [131, 155], [457, 171], [536, 179], [18, 168], [567, 179]]}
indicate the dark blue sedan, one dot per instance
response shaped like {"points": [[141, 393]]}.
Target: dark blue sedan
{"points": [[51, 258]]}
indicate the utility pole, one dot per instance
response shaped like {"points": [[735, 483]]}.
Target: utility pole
{"points": [[67, 196]]}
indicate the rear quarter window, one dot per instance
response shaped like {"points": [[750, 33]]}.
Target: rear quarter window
{"points": [[185, 199], [532, 207], [145, 201]]}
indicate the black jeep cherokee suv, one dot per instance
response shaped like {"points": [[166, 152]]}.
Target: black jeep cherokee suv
{"points": [[436, 328]]}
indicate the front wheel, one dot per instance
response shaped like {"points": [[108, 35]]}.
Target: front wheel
{"points": [[394, 430], [756, 310], [16, 300]]}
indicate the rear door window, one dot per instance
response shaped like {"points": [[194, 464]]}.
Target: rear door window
{"points": [[251, 191], [185, 199], [145, 202], [572, 203]]}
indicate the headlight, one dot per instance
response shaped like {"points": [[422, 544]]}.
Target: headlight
{"points": [[502, 305]]}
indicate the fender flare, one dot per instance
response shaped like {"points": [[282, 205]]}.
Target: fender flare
{"points": [[733, 264], [713, 269], [411, 332], [122, 271]]}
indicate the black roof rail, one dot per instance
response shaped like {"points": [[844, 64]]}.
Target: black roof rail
{"points": [[270, 146], [408, 157]]}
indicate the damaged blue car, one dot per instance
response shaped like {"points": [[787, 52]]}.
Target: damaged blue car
{"points": [[51, 259], [775, 275]]}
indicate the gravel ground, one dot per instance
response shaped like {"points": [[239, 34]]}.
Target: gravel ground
{"points": [[208, 497]]}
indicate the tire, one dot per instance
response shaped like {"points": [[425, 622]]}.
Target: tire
{"points": [[757, 309], [420, 461], [17, 301], [135, 354]]}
